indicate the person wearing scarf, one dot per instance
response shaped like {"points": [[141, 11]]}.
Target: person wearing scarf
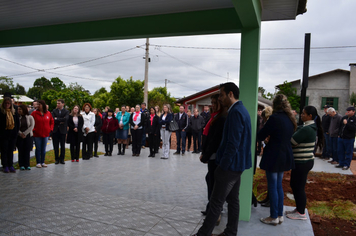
{"points": [[9, 128], [152, 130], [212, 136], [136, 122]]}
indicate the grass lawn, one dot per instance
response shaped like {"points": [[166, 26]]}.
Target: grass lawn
{"points": [[50, 158]]}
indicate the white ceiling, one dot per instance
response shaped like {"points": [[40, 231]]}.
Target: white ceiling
{"points": [[30, 13]]}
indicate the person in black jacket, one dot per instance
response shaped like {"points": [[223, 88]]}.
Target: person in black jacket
{"points": [[97, 125], [75, 132], [206, 115], [197, 124], [346, 139], [183, 123], [60, 117], [325, 123], [152, 129], [212, 136], [9, 128]]}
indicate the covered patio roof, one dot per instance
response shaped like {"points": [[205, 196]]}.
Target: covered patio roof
{"points": [[50, 21]]}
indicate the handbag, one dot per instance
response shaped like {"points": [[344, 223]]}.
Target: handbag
{"points": [[173, 126]]}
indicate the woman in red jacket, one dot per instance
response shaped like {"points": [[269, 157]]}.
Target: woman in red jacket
{"points": [[110, 125], [43, 126]]}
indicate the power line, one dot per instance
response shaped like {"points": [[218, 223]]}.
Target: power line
{"points": [[215, 48], [19, 64]]}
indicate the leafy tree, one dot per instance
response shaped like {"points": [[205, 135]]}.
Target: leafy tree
{"points": [[77, 87], [159, 96], [128, 92], [268, 96], [6, 85], [40, 86], [70, 97], [291, 94], [101, 100], [19, 89], [100, 91], [57, 84], [353, 99], [35, 93]]}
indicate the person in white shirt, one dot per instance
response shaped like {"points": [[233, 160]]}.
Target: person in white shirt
{"points": [[88, 131]]}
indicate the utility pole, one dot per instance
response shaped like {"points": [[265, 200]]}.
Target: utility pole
{"points": [[303, 92], [145, 99], [165, 83]]}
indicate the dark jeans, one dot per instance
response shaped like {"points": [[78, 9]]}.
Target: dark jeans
{"points": [[197, 137], [41, 144], [143, 141], [152, 139], [59, 139], [158, 142], [136, 140], [210, 179], [7, 151], [333, 146], [181, 135], [298, 179], [345, 151], [189, 137], [226, 188], [327, 148], [109, 141], [87, 149], [24, 146], [96, 140], [275, 193]]}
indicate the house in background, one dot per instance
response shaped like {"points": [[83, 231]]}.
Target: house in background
{"points": [[198, 100], [331, 88]]}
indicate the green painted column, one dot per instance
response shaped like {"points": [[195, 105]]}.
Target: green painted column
{"points": [[249, 65]]}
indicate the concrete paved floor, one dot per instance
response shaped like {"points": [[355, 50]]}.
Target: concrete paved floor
{"points": [[118, 195]]}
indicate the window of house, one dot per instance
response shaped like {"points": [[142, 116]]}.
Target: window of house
{"points": [[306, 101], [331, 101]]}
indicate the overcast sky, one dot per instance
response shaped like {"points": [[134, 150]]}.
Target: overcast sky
{"points": [[331, 23]]}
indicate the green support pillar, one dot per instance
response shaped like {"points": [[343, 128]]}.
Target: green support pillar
{"points": [[249, 64]]}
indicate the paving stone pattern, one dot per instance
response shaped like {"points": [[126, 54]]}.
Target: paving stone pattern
{"points": [[118, 195]]}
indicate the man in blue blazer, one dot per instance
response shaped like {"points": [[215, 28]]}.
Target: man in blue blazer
{"points": [[232, 158]]}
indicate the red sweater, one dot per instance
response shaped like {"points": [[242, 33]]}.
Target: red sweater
{"points": [[43, 124], [110, 125]]}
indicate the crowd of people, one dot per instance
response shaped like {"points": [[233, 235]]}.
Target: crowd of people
{"points": [[83, 128]]}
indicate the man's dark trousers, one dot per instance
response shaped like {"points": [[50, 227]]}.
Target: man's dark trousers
{"points": [[197, 138], [59, 139], [333, 145], [226, 188], [181, 135]]}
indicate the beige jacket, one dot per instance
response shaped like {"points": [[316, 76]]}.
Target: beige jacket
{"points": [[30, 125]]}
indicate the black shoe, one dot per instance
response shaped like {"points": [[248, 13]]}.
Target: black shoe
{"points": [[106, 154], [183, 154], [57, 162], [153, 155], [150, 155], [96, 155], [62, 162], [194, 152], [176, 153], [266, 204], [109, 154], [338, 166]]}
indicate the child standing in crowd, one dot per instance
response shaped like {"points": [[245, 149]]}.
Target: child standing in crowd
{"points": [[24, 139], [110, 125]]}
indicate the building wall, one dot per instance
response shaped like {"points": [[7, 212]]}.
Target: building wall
{"points": [[335, 84]]}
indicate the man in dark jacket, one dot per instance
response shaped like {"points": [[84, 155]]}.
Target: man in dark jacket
{"points": [[206, 115], [182, 120], [325, 123], [346, 140], [145, 115], [232, 158], [334, 130], [197, 124], [60, 116]]}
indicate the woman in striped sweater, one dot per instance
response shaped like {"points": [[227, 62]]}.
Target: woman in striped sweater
{"points": [[303, 143]]}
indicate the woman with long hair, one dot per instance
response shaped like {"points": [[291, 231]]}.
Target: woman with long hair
{"points": [[110, 125], [277, 156], [212, 137], [303, 143], [136, 122], [9, 127], [97, 125], [88, 131], [152, 130], [75, 132], [24, 139], [43, 127], [164, 122], [122, 132]]}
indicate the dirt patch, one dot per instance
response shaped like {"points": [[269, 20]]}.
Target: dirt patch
{"points": [[335, 192]]}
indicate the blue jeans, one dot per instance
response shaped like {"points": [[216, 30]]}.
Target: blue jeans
{"points": [[276, 194], [41, 144], [326, 149], [345, 151], [143, 141], [181, 135], [333, 146]]}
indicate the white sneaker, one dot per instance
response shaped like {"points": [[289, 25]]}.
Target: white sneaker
{"points": [[269, 221], [38, 166], [297, 216], [280, 219], [44, 165]]}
